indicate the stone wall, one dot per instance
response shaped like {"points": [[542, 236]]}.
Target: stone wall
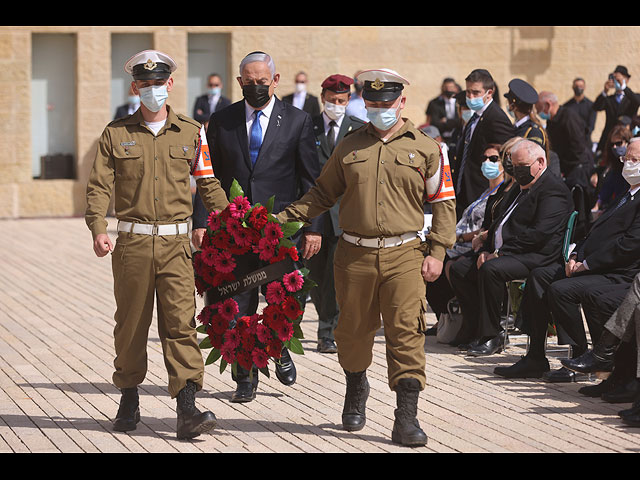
{"points": [[548, 57]]}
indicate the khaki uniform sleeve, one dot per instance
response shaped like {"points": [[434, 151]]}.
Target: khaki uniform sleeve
{"points": [[443, 228], [100, 186], [212, 194], [329, 187]]}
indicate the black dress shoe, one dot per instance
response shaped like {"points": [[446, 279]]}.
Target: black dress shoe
{"points": [[625, 393], [524, 368], [465, 346], [588, 362], [488, 347], [326, 345], [633, 410], [562, 375], [285, 369], [632, 420], [245, 392]]}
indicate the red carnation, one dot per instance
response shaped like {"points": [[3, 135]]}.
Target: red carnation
{"points": [[293, 281], [228, 309], [208, 256], [260, 358], [232, 338], [238, 207], [273, 232], [263, 332], [265, 248], [219, 324], [258, 217], [284, 331], [221, 240], [272, 315], [224, 262], [291, 308]]}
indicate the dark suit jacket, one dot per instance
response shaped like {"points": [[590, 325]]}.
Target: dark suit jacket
{"points": [[349, 124], [201, 109], [567, 133], [612, 245], [286, 167], [437, 111], [494, 126], [534, 232], [628, 106], [311, 103]]}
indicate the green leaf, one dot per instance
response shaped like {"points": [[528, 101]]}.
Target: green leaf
{"points": [[294, 345], [297, 331], [201, 328], [290, 228], [270, 203], [205, 343], [213, 356], [235, 190], [265, 371], [223, 365], [286, 243]]}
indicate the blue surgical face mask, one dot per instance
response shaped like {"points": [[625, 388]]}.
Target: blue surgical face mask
{"points": [[383, 118], [490, 169], [214, 91], [619, 151], [544, 115], [153, 97], [476, 103]]}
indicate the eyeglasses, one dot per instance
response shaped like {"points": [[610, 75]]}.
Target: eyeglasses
{"points": [[631, 160], [493, 158], [619, 143]]}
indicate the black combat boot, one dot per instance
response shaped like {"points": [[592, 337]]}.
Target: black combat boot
{"points": [[191, 421], [128, 411], [355, 401], [406, 429]]}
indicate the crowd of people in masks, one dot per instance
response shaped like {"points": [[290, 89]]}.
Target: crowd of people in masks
{"points": [[548, 233]]}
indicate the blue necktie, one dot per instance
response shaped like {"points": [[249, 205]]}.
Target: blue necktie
{"points": [[256, 137], [465, 148]]}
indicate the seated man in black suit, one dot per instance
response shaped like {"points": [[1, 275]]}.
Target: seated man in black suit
{"points": [[609, 254], [527, 234]]}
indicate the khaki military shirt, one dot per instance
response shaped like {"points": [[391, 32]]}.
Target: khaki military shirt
{"points": [[384, 185], [149, 174]]}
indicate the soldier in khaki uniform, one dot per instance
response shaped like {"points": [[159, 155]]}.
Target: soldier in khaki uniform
{"points": [[384, 173], [146, 159]]}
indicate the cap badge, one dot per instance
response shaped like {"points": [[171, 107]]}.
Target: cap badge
{"points": [[377, 85], [150, 65]]}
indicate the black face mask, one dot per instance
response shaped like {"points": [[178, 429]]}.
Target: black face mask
{"points": [[578, 91], [522, 174], [256, 95]]}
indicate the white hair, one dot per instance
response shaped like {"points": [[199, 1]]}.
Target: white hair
{"points": [[258, 57], [534, 150]]}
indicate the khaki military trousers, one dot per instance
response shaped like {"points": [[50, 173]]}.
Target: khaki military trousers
{"points": [[372, 283], [148, 268]]}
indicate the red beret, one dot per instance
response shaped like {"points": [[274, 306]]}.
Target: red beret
{"points": [[337, 83]]}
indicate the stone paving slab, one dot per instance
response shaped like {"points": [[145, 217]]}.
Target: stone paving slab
{"points": [[56, 354]]}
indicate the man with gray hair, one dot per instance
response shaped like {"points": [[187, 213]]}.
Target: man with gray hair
{"points": [[269, 147], [567, 137], [528, 234]]}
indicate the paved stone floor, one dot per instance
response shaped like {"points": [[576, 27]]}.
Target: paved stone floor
{"points": [[56, 350]]}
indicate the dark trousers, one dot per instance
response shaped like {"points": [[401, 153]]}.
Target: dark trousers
{"points": [[324, 294], [551, 297], [481, 291]]}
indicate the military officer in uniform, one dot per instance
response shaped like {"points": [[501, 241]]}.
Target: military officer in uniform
{"points": [[144, 160], [329, 128], [521, 98], [383, 173]]}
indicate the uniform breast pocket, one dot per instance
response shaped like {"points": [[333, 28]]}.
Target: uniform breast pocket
{"points": [[180, 157], [356, 167], [407, 171], [129, 162]]}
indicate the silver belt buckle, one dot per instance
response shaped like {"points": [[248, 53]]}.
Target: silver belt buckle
{"points": [[380, 242], [154, 230]]}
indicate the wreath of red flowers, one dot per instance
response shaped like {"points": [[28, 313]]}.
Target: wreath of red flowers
{"points": [[239, 229]]}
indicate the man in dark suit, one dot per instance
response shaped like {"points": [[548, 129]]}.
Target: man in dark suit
{"points": [[301, 98], [609, 254], [528, 234], [623, 102], [442, 112], [133, 103], [583, 106], [489, 124], [210, 102], [268, 146], [329, 128], [567, 137]]}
